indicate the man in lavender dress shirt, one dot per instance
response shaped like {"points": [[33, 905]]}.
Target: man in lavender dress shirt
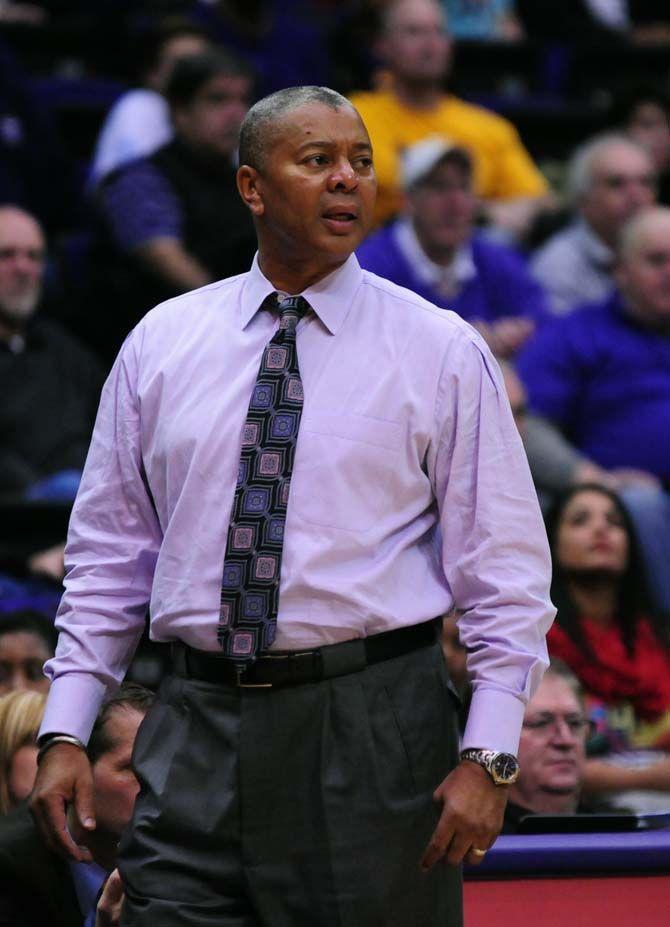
{"points": [[325, 801]]}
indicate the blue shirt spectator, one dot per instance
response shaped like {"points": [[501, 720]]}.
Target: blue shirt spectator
{"points": [[433, 251], [604, 378], [491, 281]]}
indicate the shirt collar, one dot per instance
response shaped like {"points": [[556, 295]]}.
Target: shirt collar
{"points": [[88, 879], [593, 247], [459, 271], [330, 298]]}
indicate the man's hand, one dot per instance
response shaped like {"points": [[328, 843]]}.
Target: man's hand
{"points": [[472, 816], [108, 912], [506, 335], [63, 778]]}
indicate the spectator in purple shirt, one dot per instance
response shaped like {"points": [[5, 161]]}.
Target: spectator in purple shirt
{"points": [[602, 375], [432, 249]]}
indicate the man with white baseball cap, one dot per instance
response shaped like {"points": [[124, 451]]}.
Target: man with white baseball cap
{"points": [[433, 250]]}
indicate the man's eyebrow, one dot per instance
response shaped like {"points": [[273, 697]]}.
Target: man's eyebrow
{"points": [[323, 143]]}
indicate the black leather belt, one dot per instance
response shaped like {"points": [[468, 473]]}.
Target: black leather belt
{"points": [[292, 668]]}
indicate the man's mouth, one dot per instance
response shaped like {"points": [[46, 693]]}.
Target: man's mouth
{"points": [[340, 219]]}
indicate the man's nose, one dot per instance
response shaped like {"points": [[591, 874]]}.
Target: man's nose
{"points": [[25, 265], [344, 176], [562, 734]]}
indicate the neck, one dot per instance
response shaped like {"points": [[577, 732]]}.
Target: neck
{"points": [[417, 94], [607, 235], [648, 320], [546, 802], [291, 275], [438, 254], [595, 597]]}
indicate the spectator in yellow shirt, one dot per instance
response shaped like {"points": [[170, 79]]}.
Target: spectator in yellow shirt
{"points": [[416, 49]]}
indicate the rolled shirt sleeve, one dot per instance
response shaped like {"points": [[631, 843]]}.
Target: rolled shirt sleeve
{"points": [[113, 543], [495, 552]]}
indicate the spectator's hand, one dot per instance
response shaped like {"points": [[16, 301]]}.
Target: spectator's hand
{"points": [[588, 472], [63, 778], [616, 480], [49, 562], [472, 816], [108, 912], [505, 336], [603, 776], [624, 477]]}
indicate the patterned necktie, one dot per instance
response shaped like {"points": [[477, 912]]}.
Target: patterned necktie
{"points": [[252, 563]]}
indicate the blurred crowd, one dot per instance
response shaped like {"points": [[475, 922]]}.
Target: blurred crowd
{"points": [[523, 157]]}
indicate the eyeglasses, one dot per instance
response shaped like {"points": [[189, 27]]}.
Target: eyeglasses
{"points": [[546, 722]]}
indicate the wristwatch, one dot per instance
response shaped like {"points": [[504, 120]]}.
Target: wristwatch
{"points": [[503, 768]]}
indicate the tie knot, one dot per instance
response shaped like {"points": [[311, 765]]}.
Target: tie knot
{"points": [[291, 309]]}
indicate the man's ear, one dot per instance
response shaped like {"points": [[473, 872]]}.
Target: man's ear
{"points": [[248, 186]]}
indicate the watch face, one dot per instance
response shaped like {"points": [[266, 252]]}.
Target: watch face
{"points": [[505, 768]]}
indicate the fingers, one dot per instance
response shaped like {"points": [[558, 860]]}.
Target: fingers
{"points": [[50, 814], [64, 778], [455, 842], [83, 803], [108, 912], [442, 836]]}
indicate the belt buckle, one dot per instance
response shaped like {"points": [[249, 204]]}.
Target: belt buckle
{"points": [[249, 685]]}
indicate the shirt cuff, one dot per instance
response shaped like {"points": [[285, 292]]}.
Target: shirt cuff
{"points": [[494, 721], [72, 706]]}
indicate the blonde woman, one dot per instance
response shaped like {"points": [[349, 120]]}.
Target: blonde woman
{"points": [[20, 718]]}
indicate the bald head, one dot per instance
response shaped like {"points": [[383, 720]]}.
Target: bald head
{"points": [[264, 118], [610, 179], [643, 229], [643, 270], [22, 251]]}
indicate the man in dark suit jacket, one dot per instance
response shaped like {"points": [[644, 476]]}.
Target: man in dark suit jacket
{"points": [[38, 887]]}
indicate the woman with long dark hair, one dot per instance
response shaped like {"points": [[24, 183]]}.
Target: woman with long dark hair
{"points": [[606, 629]]}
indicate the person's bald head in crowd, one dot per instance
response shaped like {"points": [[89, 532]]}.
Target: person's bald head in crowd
{"points": [[610, 179], [643, 266], [22, 262], [306, 175]]}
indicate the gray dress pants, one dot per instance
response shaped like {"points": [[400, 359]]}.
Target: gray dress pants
{"points": [[305, 806]]}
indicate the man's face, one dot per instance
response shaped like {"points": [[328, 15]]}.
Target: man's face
{"points": [[415, 45], [211, 122], [21, 266], [643, 274], [552, 748], [22, 656], [114, 784], [443, 207], [316, 189], [623, 184]]}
